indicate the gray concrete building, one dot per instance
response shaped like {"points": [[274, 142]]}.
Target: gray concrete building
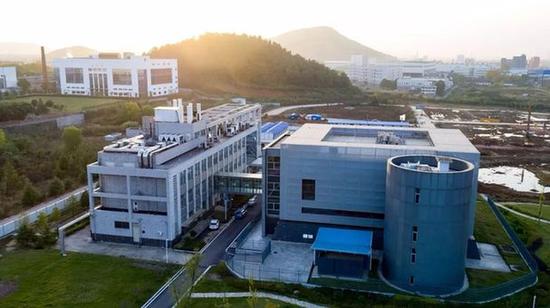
{"points": [[152, 186], [340, 177]]}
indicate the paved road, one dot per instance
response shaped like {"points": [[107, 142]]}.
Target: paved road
{"points": [[278, 111], [211, 256]]}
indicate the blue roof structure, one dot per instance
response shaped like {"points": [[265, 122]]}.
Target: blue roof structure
{"points": [[278, 128], [266, 126], [343, 241], [367, 123]]}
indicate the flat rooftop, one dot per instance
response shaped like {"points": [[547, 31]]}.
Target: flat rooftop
{"points": [[452, 140]]}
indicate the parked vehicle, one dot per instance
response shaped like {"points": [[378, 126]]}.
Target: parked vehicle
{"points": [[214, 224], [294, 116], [313, 117], [252, 201], [240, 213]]}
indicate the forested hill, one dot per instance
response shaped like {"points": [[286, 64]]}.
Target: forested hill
{"points": [[218, 60]]}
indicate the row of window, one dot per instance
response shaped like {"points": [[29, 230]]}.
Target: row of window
{"points": [[200, 185]]}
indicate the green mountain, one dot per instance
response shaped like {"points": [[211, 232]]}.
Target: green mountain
{"points": [[236, 62], [325, 43]]}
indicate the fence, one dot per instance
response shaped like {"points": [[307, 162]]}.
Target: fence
{"points": [[487, 294], [257, 271], [10, 225]]}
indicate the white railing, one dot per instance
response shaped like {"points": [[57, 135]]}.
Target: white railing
{"points": [[11, 224]]}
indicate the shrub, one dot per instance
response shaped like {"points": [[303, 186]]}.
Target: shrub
{"points": [[56, 187]]}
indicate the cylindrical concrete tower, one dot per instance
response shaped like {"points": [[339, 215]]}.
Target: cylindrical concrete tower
{"points": [[426, 223]]}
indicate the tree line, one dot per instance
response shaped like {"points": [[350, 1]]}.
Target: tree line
{"points": [[246, 60]]}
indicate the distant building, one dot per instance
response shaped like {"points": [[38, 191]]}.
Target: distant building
{"points": [[534, 62], [109, 74], [471, 70], [426, 86], [8, 78], [355, 68], [460, 59], [515, 66], [377, 72]]}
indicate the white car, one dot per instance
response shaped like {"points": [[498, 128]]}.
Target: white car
{"points": [[252, 201], [214, 224]]}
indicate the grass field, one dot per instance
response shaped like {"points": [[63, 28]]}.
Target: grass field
{"points": [[44, 278], [531, 209], [71, 103], [487, 228]]}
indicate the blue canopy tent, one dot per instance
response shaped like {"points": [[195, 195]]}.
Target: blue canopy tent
{"points": [[342, 252]]}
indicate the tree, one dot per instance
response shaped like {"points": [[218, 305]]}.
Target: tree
{"points": [[440, 88], [25, 235], [56, 187], [495, 76], [12, 181], [24, 85], [72, 138], [30, 195], [3, 138], [133, 111], [55, 215], [44, 236], [192, 267], [148, 110], [388, 84], [84, 200], [253, 298]]}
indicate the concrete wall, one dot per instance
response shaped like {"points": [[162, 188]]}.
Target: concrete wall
{"points": [[441, 220], [346, 179], [152, 227]]}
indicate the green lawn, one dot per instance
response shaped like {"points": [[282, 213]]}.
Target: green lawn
{"points": [[234, 303], [481, 278], [71, 103], [531, 209], [487, 229], [44, 278]]}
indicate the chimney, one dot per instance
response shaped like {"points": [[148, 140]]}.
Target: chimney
{"points": [[199, 111], [190, 113], [44, 70]]}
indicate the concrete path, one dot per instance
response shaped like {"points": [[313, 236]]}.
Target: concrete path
{"points": [[521, 214], [82, 242], [278, 111], [281, 298]]}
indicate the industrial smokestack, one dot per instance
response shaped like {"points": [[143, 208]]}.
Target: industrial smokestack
{"points": [[44, 70]]}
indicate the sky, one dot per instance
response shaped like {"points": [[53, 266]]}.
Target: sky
{"points": [[437, 29]]}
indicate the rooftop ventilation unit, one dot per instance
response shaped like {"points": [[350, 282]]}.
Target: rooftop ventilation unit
{"points": [[388, 138]]}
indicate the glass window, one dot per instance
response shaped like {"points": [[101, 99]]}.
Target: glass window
{"points": [[308, 189], [417, 195], [74, 75], [122, 77], [161, 75]]}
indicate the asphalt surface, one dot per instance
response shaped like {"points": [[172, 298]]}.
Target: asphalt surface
{"points": [[211, 256]]}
